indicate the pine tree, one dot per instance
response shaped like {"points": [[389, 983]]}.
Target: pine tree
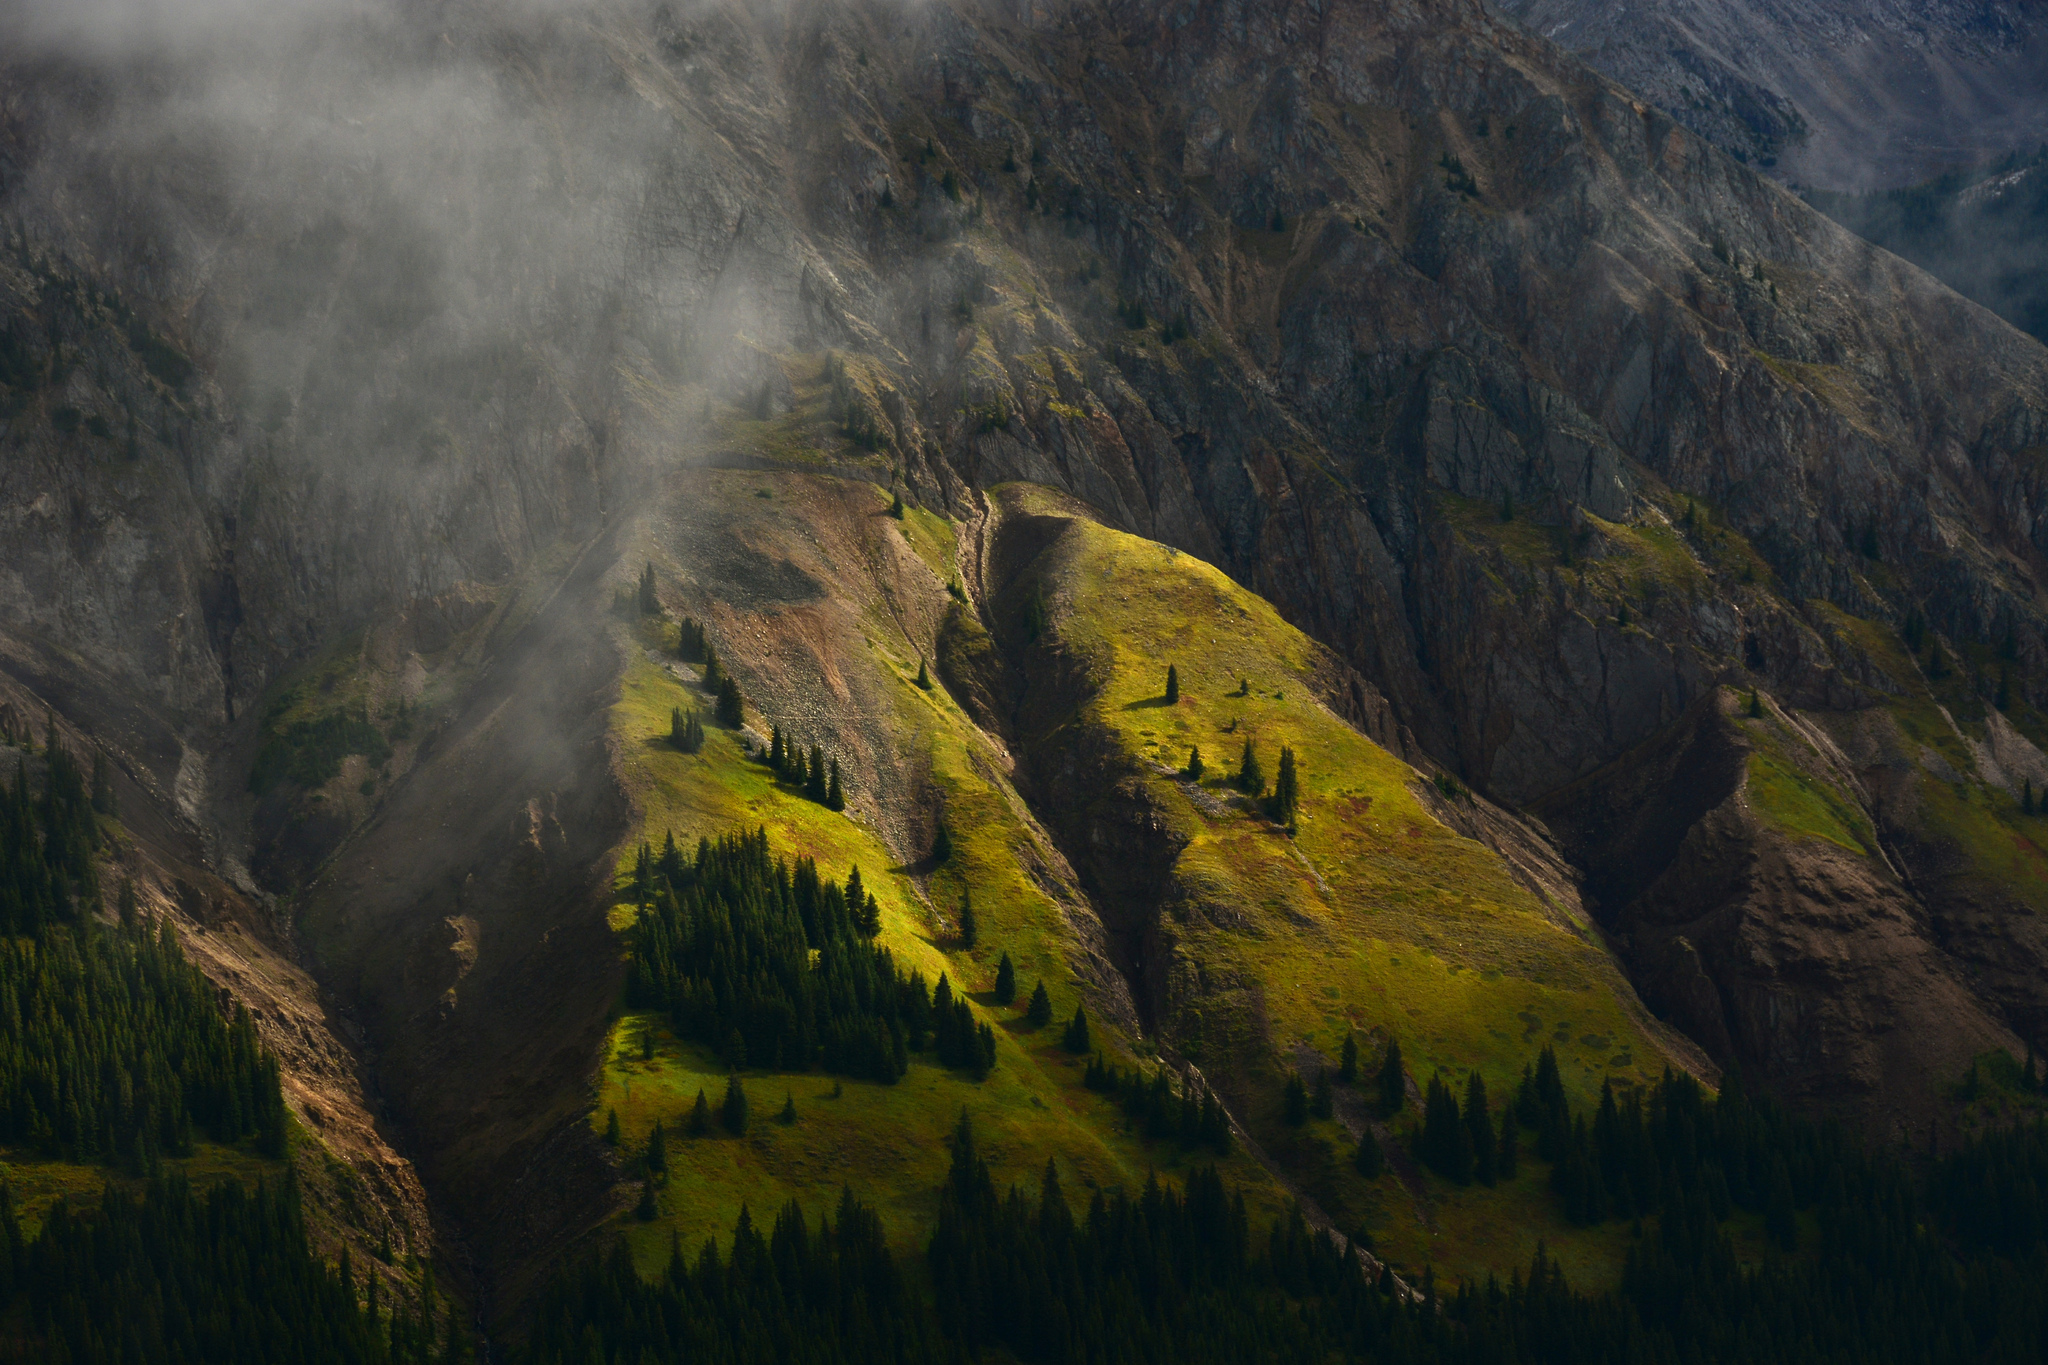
{"points": [[650, 602], [816, 786], [778, 756], [924, 677], [1485, 1148], [1323, 1104], [612, 1136], [788, 1114], [657, 1149], [1756, 705], [1250, 780], [732, 707], [700, 1115], [1368, 1160], [1172, 685], [1446, 1142], [867, 920], [1075, 1039], [835, 790], [1393, 1082], [713, 674], [1039, 1013], [1347, 1068], [942, 844], [1294, 1101], [733, 1113], [1006, 981], [646, 1211], [1286, 791], [1193, 771], [896, 507], [967, 925]]}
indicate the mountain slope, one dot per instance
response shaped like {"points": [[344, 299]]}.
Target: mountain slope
{"points": [[1837, 96], [1543, 418]]}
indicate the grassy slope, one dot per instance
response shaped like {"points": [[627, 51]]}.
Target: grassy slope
{"points": [[886, 1141], [1375, 918]]}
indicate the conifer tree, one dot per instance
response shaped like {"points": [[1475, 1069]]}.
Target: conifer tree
{"points": [[968, 928], [612, 1136], [732, 707], [1393, 1082], [1039, 1013], [700, 1115], [1193, 771], [1446, 1146], [896, 507], [778, 756], [924, 677], [1294, 1101], [646, 1210], [1250, 780], [1075, 1040], [1172, 685], [788, 1114], [657, 1149], [1286, 791], [1006, 982], [816, 784], [1756, 705], [942, 844], [1347, 1067], [1485, 1148], [650, 603], [835, 790], [1368, 1160], [733, 1113], [713, 674]]}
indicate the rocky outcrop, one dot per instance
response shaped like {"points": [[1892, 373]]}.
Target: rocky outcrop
{"points": [[1744, 882]]}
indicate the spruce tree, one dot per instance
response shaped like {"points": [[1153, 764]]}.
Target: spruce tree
{"points": [[816, 785], [1368, 1160], [1172, 685], [896, 507], [646, 1210], [1756, 705], [867, 920], [1006, 982], [732, 707], [1075, 1040], [1039, 1013], [657, 1149], [1478, 1121], [1294, 1101], [788, 1114], [1347, 1068], [1250, 780], [612, 1136], [1392, 1080], [942, 844], [650, 603], [700, 1115], [778, 757], [1286, 791], [968, 928], [835, 789], [924, 677], [1446, 1141], [1193, 771], [733, 1113]]}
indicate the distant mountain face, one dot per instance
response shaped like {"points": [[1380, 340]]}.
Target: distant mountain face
{"points": [[1843, 95]]}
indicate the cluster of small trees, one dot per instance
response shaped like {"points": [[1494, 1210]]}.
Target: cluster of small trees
{"points": [[777, 968], [47, 844], [1190, 1113], [729, 706], [818, 777], [1463, 1146], [1283, 804], [685, 731]]}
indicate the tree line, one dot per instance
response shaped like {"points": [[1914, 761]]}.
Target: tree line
{"points": [[1177, 1275], [170, 1276]]}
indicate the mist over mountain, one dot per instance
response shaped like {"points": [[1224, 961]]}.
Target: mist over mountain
{"points": [[1369, 564]]}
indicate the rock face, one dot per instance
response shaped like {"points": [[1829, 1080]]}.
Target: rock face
{"points": [[1837, 94], [343, 378]]}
